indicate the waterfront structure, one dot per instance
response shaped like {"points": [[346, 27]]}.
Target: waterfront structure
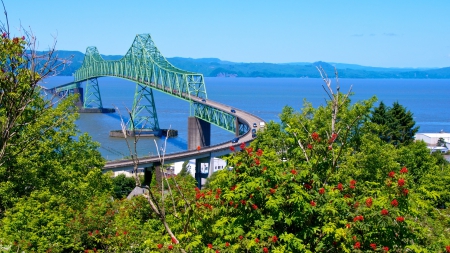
{"points": [[433, 141], [433, 138]]}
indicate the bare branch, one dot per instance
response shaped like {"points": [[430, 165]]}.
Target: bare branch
{"points": [[327, 81], [133, 153], [168, 185], [6, 17], [301, 145]]}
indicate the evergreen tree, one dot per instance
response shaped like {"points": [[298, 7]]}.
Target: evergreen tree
{"points": [[379, 117], [394, 124], [379, 114], [401, 125]]}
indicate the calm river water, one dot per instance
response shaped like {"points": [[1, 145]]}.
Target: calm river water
{"points": [[427, 99]]}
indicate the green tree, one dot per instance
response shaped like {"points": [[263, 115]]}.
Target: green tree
{"points": [[123, 185], [394, 124], [401, 124], [22, 108], [37, 223], [380, 118], [47, 168], [379, 115], [38, 138], [185, 169], [441, 142]]}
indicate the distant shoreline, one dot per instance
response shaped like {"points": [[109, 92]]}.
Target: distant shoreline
{"points": [[380, 78], [213, 67]]}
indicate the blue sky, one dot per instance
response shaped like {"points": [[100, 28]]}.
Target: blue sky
{"points": [[371, 33]]}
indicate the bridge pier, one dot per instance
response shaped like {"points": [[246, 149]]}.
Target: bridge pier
{"points": [[237, 132], [92, 97], [73, 90], [143, 114], [148, 177], [199, 133], [79, 91]]}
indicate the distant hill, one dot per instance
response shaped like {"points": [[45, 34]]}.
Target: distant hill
{"points": [[214, 67]]}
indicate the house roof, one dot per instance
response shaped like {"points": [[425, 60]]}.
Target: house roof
{"points": [[136, 192], [438, 148], [435, 135]]}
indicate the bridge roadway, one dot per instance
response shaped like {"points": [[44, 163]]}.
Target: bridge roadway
{"points": [[205, 152]]}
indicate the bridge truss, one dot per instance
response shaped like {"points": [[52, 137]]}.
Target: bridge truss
{"points": [[145, 65]]}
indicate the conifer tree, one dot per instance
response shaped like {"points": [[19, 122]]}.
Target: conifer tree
{"points": [[379, 114], [379, 117], [401, 125], [394, 124]]}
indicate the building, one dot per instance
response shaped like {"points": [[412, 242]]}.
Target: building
{"points": [[175, 168], [431, 139], [443, 150], [217, 163]]}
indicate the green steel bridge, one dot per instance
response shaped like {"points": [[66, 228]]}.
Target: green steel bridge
{"points": [[144, 65]]}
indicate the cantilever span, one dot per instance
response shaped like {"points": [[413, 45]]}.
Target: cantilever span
{"points": [[145, 65]]}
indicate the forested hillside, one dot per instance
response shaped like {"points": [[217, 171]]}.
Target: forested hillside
{"points": [[213, 67]]}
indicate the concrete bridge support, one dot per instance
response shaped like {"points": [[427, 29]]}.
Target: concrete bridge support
{"points": [[204, 168], [79, 91], [68, 92], [199, 133], [148, 174], [145, 185]]}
